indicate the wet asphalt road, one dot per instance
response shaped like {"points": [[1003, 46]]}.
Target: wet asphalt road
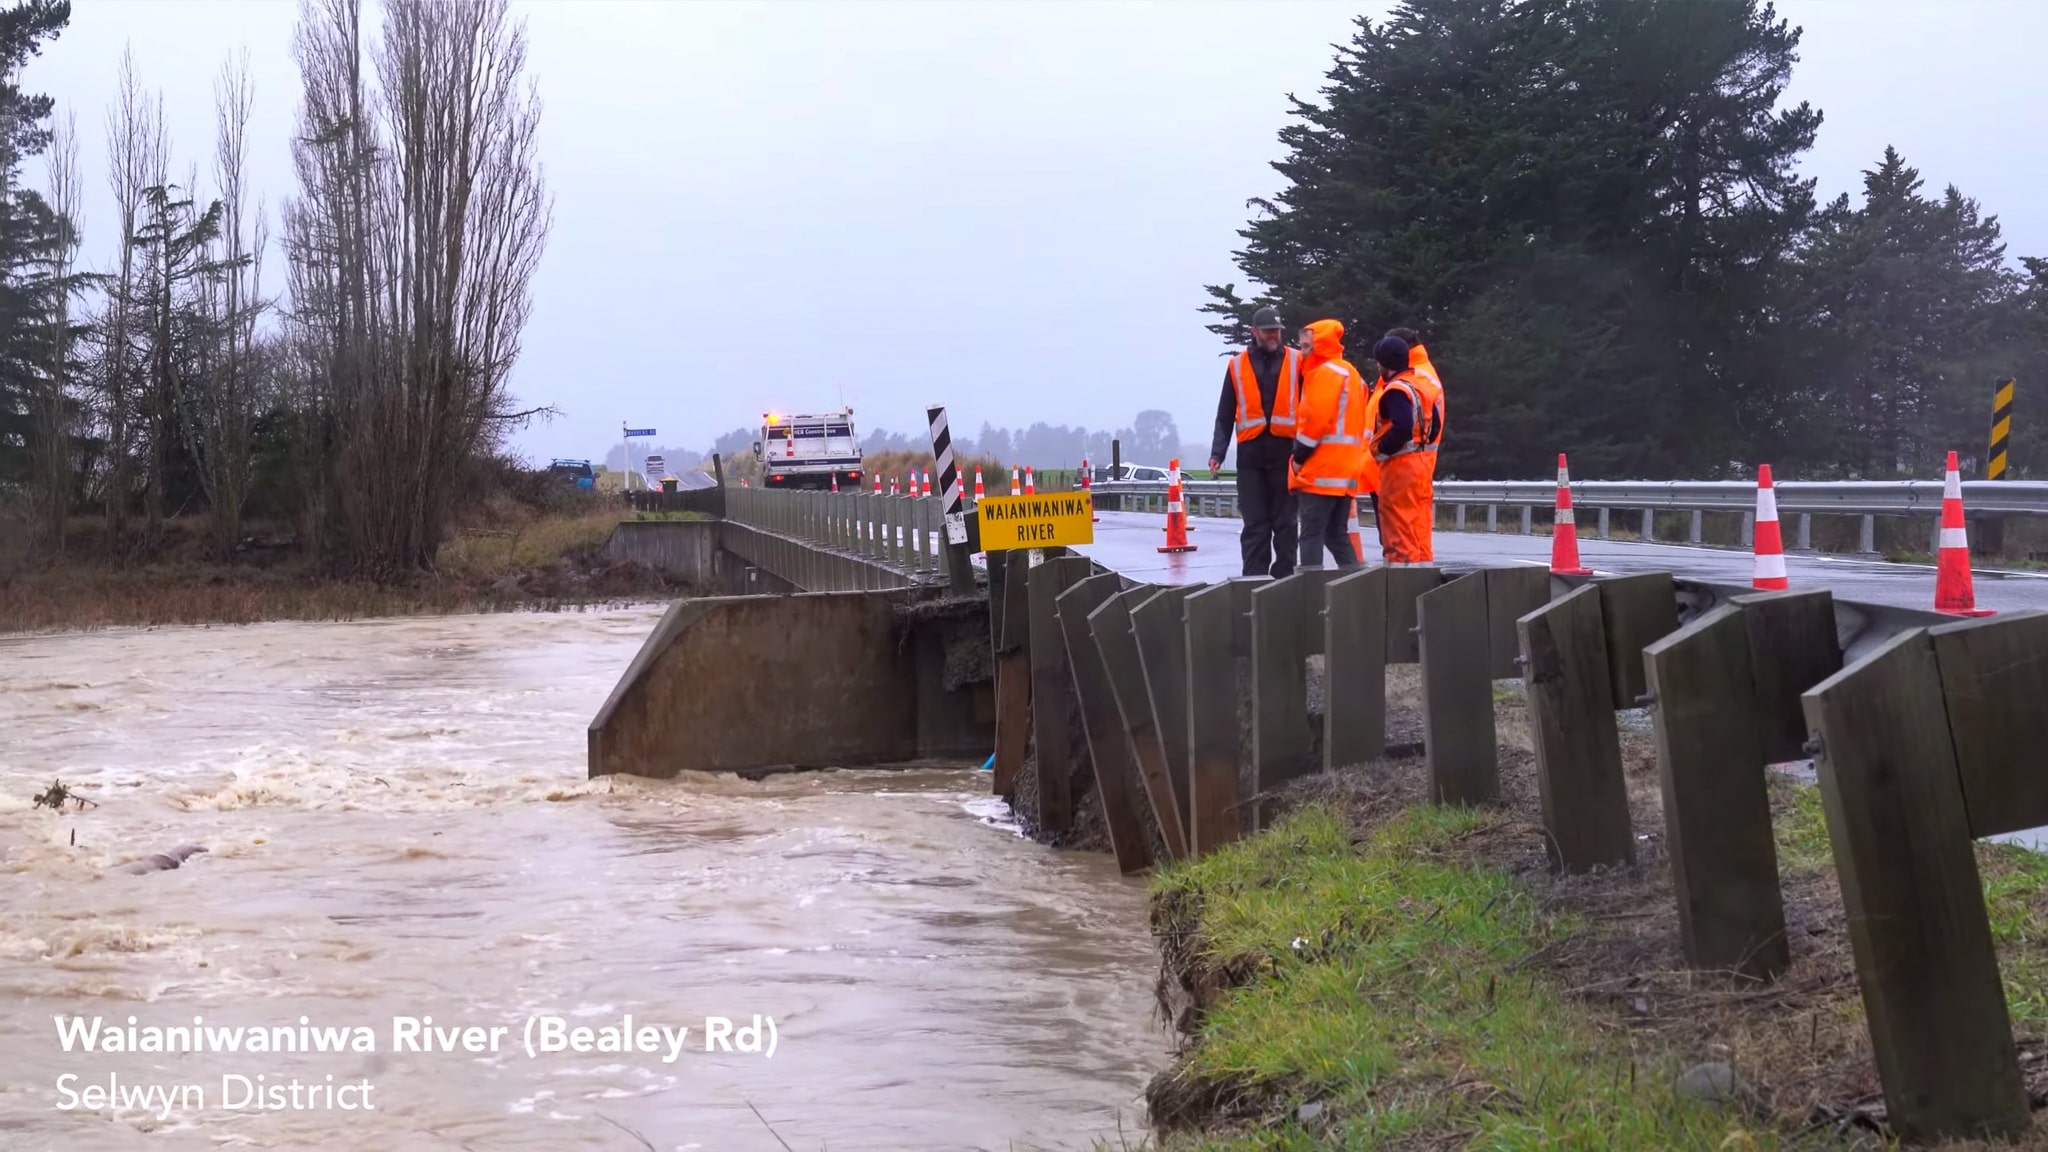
{"points": [[1128, 542]]}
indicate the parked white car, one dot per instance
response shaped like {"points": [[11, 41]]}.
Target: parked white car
{"points": [[1145, 473]]}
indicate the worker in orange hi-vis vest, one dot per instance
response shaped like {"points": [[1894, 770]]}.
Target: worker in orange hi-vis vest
{"points": [[1256, 411], [1407, 426], [1329, 439]]}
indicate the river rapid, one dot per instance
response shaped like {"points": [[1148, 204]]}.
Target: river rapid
{"points": [[397, 824]]}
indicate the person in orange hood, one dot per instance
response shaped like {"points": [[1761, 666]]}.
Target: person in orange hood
{"points": [[1407, 426], [1329, 445]]}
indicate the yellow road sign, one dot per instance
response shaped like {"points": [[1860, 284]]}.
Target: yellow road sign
{"points": [[1054, 519]]}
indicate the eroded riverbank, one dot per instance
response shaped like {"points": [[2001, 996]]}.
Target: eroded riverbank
{"points": [[397, 823]]}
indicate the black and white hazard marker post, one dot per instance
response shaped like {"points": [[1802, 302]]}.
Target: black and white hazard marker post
{"points": [[959, 568]]}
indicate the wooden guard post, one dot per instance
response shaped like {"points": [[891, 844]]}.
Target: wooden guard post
{"points": [[1117, 642], [1282, 742], [1913, 739], [1218, 637], [1109, 747], [1054, 709], [1010, 639], [1160, 626], [1722, 687]]}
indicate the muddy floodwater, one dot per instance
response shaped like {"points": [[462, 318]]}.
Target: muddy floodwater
{"points": [[397, 825]]}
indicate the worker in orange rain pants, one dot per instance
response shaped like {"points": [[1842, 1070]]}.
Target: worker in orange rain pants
{"points": [[1407, 423], [1329, 446]]}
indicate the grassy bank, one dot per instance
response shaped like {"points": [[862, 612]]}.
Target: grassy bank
{"points": [[508, 558], [1376, 972]]}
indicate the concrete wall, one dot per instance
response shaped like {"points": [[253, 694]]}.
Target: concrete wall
{"points": [[765, 683]]}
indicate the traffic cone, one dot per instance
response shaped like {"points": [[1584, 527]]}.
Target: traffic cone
{"points": [[927, 485], [1030, 483], [894, 482], [1088, 483], [1770, 546], [835, 483], [878, 483], [1357, 536], [1564, 532], [978, 492], [1176, 513], [1954, 592], [1016, 484]]}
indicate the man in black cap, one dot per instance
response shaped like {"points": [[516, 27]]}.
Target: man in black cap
{"points": [[1260, 390]]}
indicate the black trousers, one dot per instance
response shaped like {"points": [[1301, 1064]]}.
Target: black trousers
{"points": [[1268, 511], [1326, 523]]}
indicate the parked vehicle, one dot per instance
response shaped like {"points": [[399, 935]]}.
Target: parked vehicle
{"points": [[578, 471], [1144, 473], [809, 451]]}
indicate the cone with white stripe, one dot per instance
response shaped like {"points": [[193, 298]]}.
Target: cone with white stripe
{"points": [[1357, 537], [1564, 531], [1954, 592], [878, 483], [1770, 546], [835, 483], [979, 493], [1087, 485], [1176, 513], [1016, 483], [1030, 482], [895, 485]]}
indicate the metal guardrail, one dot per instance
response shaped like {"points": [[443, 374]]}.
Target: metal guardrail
{"points": [[1838, 497], [1801, 499]]}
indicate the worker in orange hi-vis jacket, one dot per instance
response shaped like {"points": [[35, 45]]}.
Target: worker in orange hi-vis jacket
{"points": [[1329, 441], [1407, 426]]}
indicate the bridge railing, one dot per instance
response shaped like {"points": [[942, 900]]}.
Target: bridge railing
{"points": [[1800, 499], [903, 533]]}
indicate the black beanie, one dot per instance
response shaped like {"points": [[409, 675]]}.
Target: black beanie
{"points": [[1392, 353]]}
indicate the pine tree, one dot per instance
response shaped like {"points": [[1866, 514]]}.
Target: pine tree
{"points": [[34, 247], [1903, 304], [1580, 205]]}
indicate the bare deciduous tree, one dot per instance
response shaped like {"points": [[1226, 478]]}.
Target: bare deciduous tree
{"points": [[127, 147], [219, 408], [420, 220]]}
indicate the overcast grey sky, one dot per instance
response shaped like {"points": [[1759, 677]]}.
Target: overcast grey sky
{"points": [[1008, 207]]}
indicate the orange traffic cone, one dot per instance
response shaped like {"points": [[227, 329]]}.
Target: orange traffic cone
{"points": [[1176, 513], [878, 483], [1357, 538], [1030, 483], [1016, 485], [978, 491], [835, 483], [1770, 546], [1564, 533], [927, 485], [1954, 592]]}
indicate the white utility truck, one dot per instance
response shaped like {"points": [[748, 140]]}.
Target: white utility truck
{"points": [[809, 451]]}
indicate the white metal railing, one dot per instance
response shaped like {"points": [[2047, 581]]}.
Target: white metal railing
{"points": [[905, 533]]}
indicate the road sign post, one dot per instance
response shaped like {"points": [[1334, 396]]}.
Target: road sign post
{"points": [[959, 565]]}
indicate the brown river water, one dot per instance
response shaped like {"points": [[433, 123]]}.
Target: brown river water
{"points": [[398, 826]]}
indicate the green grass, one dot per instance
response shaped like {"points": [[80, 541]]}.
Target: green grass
{"points": [[1401, 1009]]}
